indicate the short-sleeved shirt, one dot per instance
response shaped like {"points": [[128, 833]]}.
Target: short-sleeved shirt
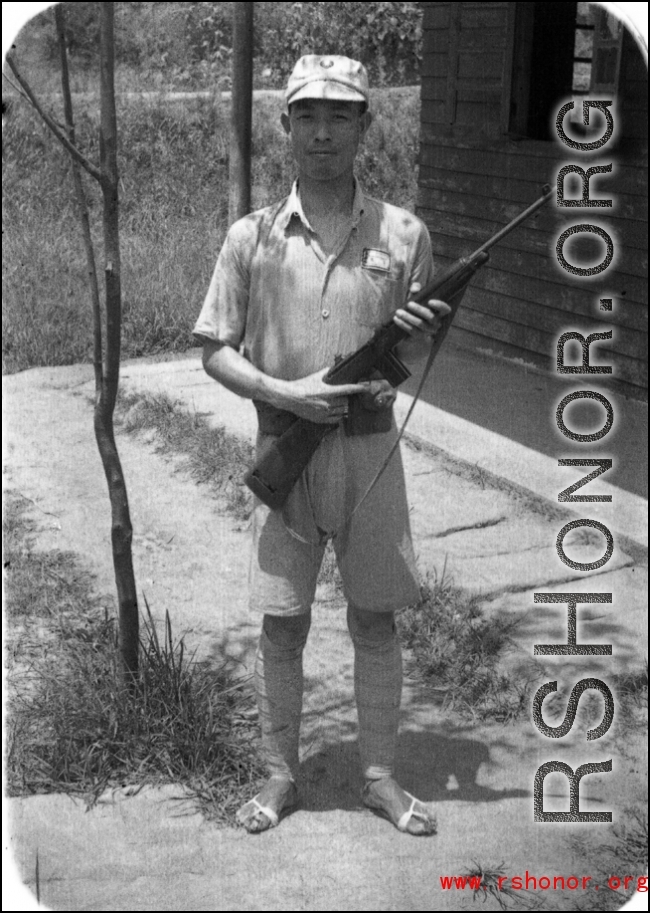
{"points": [[291, 309]]}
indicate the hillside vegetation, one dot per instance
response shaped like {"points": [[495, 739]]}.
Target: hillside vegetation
{"points": [[173, 157], [189, 45], [174, 206]]}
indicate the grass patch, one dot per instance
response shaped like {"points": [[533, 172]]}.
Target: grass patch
{"points": [[173, 164], [485, 878], [632, 693], [71, 728], [212, 455], [456, 651], [625, 855], [38, 581]]}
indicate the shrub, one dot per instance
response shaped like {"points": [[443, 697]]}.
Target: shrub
{"points": [[145, 33], [386, 37], [190, 44], [208, 28]]}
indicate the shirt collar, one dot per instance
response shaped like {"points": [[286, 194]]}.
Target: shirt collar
{"points": [[293, 207]]}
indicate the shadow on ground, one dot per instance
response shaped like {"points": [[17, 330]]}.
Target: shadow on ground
{"points": [[427, 764]]}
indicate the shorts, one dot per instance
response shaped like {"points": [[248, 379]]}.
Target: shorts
{"points": [[373, 547]]}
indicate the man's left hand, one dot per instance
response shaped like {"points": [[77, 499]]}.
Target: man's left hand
{"points": [[421, 321]]}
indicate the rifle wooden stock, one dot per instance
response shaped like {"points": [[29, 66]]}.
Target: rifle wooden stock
{"points": [[281, 464]]}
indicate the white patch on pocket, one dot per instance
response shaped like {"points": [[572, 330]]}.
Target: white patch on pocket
{"points": [[375, 259]]}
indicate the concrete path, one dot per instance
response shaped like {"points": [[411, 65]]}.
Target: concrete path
{"points": [[510, 408], [495, 535]]}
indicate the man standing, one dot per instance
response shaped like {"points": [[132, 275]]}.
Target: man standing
{"points": [[295, 285]]}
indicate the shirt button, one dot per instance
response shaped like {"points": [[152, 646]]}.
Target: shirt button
{"points": [[325, 313]]}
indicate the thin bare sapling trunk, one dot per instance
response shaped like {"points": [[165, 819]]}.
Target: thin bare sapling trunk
{"points": [[121, 529], [106, 364]]}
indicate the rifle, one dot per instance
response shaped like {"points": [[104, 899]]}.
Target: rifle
{"points": [[282, 463]]}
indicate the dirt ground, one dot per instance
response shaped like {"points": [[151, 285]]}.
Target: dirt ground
{"points": [[144, 852]]}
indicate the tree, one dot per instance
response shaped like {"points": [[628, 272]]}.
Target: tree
{"points": [[106, 357]]}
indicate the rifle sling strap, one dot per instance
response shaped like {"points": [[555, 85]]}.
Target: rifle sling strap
{"points": [[454, 300], [400, 434]]}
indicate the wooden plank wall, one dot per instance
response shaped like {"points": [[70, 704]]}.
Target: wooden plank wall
{"points": [[474, 178]]}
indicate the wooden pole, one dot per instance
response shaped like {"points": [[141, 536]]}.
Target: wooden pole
{"points": [[241, 111]]}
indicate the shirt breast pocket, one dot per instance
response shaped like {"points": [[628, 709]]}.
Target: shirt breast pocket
{"points": [[383, 293]]}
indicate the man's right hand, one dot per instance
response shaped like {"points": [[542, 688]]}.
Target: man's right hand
{"points": [[311, 398]]}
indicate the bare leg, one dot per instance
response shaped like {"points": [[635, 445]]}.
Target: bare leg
{"points": [[279, 686], [378, 691]]}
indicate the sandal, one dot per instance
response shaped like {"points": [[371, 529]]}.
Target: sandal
{"points": [[404, 820], [274, 819], [259, 809]]}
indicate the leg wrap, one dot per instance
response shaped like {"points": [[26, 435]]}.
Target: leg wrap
{"points": [[377, 688], [279, 685]]}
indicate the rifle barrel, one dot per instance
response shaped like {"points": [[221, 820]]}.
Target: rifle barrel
{"points": [[516, 221]]}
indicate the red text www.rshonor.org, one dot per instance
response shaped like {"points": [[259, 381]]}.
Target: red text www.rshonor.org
{"points": [[543, 883]]}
